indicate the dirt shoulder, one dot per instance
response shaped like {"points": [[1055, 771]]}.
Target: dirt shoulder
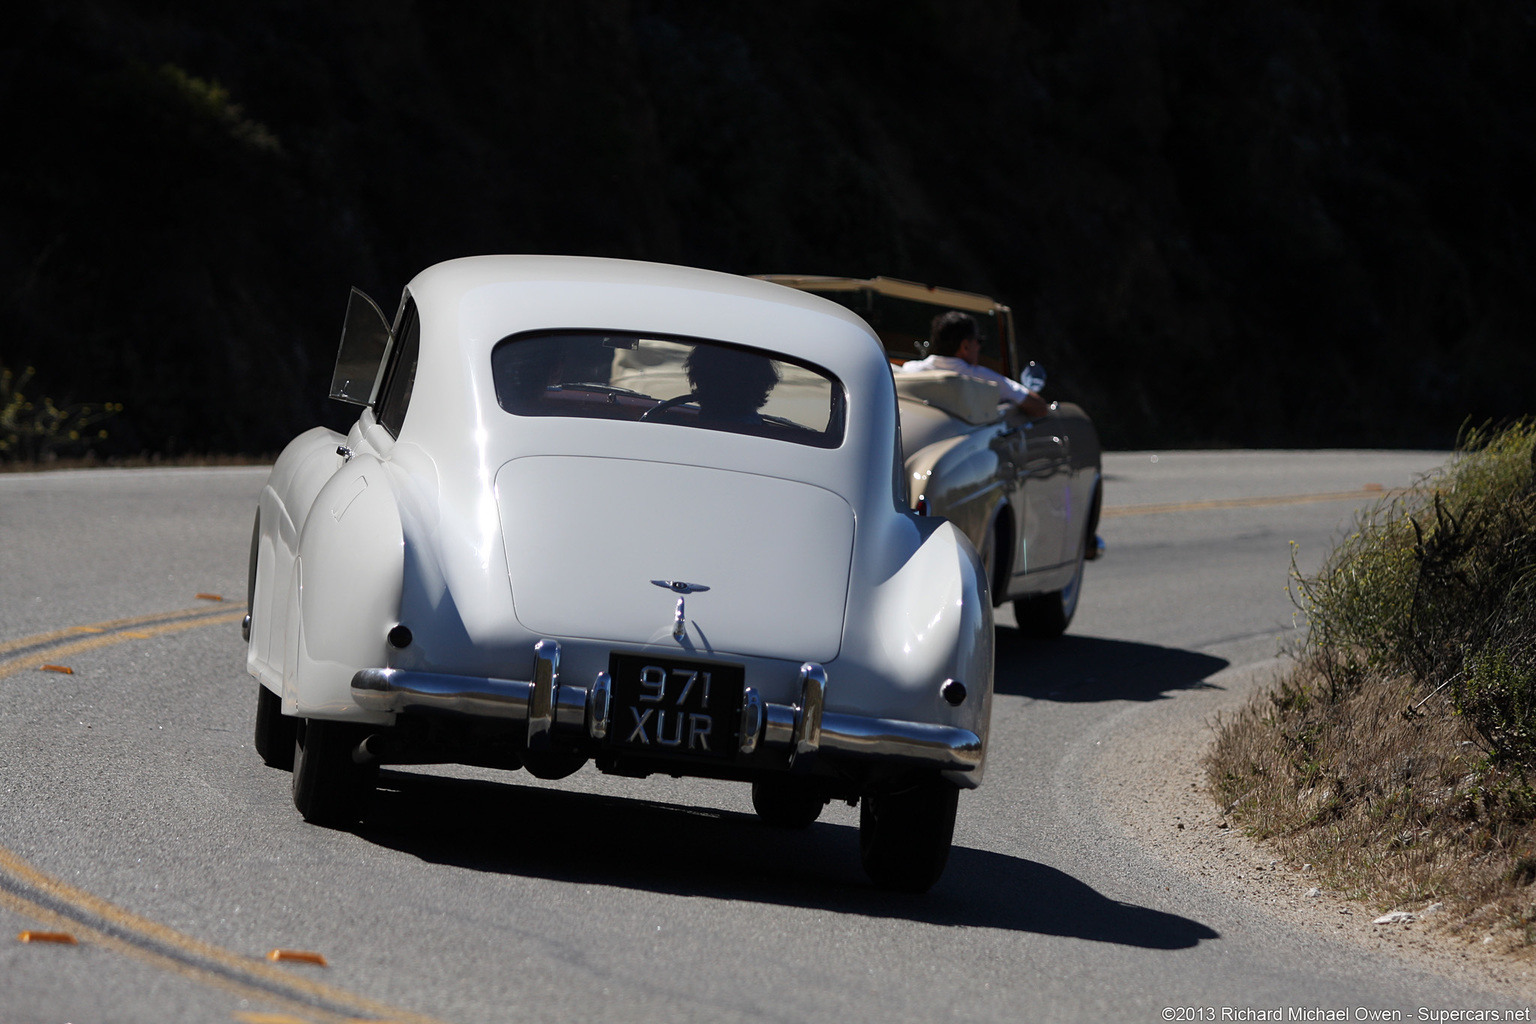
{"points": [[1156, 789]]}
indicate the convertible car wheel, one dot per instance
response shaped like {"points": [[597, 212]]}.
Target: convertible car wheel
{"points": [[904, 835], [329, 788], [275, 732], [1047, 616], [997, 585], [786, 803]]}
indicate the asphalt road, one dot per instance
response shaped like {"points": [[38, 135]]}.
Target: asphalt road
{"points": [[136, 818]]}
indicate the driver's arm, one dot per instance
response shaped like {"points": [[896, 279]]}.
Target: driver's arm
{"points": [[1033, 406]]}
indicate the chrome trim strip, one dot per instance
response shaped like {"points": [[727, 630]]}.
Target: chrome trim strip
{"points": [[388, 689], [942, 746], [751, 719], [541, 703], [813, 696], [600, 706]]}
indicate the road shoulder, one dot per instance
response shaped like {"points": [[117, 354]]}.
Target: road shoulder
{"points": [[1155, 790]]}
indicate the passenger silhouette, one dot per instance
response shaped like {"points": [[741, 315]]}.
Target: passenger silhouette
{"points": [[729, 385]]}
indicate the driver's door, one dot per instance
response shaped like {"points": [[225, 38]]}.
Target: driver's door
{"points": [[1045, 477]]}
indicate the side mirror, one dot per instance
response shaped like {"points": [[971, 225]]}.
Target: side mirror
{"points": [[365, 341], [1033, 377]]}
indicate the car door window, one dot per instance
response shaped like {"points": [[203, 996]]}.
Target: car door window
{"points": [[400, 375], [365, 337]]}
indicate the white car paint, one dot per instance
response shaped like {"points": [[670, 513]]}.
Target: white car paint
{"points": [[486, 533]]}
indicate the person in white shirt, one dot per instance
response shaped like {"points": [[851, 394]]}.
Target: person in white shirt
{"points": [[954, 344]]}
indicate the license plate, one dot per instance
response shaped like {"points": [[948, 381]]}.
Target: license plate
{"points": [[675, 708]]}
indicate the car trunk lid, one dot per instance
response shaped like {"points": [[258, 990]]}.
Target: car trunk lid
{"points": [[594, 544]]}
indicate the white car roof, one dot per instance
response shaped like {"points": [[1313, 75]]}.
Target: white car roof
{"points": [[495, 296], [467, 306]]}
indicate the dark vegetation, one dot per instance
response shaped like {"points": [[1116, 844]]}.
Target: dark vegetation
{"points": [[1399, 757], [1262, 222]]}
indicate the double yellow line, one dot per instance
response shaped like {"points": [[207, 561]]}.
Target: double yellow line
{"points": [[44, 648], [1376, 492], [61, 907]]}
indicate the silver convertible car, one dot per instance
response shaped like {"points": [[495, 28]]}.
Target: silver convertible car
{"points": [[1026, 491], [643, 516]]}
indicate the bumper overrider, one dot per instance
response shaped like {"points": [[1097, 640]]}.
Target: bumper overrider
{"points": [[561, 713]]}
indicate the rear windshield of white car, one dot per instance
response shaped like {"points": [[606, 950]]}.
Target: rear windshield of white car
{"points": [[655, 379]]}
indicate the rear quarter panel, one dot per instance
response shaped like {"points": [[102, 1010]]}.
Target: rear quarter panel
{"points": [[298, 476]]}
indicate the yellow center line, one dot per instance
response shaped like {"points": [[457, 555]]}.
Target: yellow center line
{"points": [[1115, 512], [94, 641], [101, 627], [304, 1012], [244, 976]]}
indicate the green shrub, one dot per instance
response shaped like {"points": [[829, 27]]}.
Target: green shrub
{"points": [[1397, 754], [1438, 585], [36, 430]]}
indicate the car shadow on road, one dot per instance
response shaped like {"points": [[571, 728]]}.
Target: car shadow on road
{"points": [[1089, 668], [594, 839]]}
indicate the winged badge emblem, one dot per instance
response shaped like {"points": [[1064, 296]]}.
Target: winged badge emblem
{"points": [[678, 587]]}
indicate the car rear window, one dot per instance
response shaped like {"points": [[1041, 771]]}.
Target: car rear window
{"points": [[660, 379]]}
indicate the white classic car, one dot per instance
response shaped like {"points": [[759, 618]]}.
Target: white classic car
{"points": [[645, 516], [1026, 490]]}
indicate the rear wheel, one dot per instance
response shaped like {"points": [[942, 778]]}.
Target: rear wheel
{"points": [[905, 834], [787, 803], [276, 732], [1047, 616], [329, 788], [996, 557]]}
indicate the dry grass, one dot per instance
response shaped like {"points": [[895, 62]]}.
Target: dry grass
{"points": [[1397, 756], [1390, 804]]}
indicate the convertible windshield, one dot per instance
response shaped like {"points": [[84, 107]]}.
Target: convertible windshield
{"points": [[686, 381]]}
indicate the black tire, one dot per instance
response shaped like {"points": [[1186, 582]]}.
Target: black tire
{"points": [[250, 572], [993, 555], [1047, 616], [787, 803], [276, 732], [329, 788], [552, 764], [905, 834]]}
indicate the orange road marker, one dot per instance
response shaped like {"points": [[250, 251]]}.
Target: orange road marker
{"points": [[298, 956], [62, 669], [85, 629], [210, 597], [136, 635], [62, 938]]}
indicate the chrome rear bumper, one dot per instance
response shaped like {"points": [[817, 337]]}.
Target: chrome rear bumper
{"points": [[574, 714]]}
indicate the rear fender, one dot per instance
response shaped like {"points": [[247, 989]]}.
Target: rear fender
{"points": [[301, 471], [962, 481], [927, 623], [351, 559]]}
